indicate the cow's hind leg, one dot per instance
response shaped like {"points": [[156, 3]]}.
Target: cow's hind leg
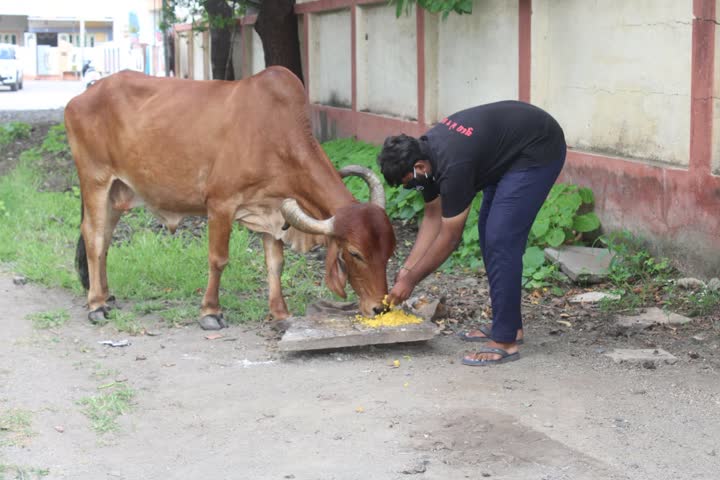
{"points": [[99, 220], [219, 227], [274, 260]]}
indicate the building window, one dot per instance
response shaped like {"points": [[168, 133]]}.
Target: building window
{"points": [[8, 38]]}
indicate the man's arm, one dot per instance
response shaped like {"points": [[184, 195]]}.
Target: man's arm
{"points": [[445, 242], [429, 229]]}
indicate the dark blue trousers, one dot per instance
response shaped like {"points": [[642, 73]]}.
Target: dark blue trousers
{"points": [[508, 211]]}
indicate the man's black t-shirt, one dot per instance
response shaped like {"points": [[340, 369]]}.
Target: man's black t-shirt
{"points": [[473, 148]]}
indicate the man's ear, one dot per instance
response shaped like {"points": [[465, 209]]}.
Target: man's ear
{"points": [[335, 272], [422, 167]]}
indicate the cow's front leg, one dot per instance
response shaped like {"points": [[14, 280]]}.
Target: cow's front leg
{"points": [[219, 228], [274, 260]]}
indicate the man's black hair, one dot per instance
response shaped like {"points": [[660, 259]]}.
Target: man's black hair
{"points": [[398, 155]]}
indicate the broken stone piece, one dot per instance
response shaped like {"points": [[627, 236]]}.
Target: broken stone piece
{"points": [[651, 316], [642, 356], [592, 297], [581, 264], [690, 283]]}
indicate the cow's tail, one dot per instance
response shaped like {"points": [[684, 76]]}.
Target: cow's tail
{"points": [[81, 263]]}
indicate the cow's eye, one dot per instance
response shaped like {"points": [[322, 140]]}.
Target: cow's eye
{"points": [[355, 255]]}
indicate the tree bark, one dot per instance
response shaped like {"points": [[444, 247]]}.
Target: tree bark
{"points": [[220, 40], [277, 27]]}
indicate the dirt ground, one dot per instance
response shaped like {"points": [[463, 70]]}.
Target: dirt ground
{"points": [[236, 408]]}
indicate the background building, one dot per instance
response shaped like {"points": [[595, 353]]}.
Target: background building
{"points": [[58, 37]]}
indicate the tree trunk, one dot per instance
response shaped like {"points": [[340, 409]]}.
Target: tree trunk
{"points": [[277, 27], [220, 40], [169, 54]]}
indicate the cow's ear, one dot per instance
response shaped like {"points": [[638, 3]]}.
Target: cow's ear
{"points": [[335, 273]]}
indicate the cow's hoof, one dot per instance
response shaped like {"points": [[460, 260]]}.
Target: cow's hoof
{"points": [[212, 322], [99, 315]]}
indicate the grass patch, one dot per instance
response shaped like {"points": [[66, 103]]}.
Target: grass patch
{"points": [[642, 279], [15, 427], [15, 472], [9, 132], [104, 409], [49, 319], [126, 322]]}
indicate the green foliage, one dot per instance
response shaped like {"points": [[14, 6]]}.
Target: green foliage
{"points": [[196, 13], [400, 203], [126, 322], [9, 132], [434, 6], [38, 237], [558, 221], [50, 319], [632, 262], [56, 141]]}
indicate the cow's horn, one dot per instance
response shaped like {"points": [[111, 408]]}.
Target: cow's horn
{"points": [[377, 192], [295, 216]]}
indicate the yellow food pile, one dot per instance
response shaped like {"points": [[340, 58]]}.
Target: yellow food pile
{"points": [[392, 318]]}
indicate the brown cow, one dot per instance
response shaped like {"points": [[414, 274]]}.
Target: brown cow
{"points": [[231, 151]]}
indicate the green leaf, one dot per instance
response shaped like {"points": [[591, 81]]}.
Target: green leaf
{"points": [[540, 227], [533, 258], [555, 237], [587, 195], [586, 223]]}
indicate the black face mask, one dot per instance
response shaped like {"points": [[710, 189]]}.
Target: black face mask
{"points": [[419, 183]]}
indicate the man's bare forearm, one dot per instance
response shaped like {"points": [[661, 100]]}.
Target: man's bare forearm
{"points": [[429, 229]]}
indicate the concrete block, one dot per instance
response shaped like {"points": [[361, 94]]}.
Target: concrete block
{"points": [[642, 356], [581, 264], [592, 297], [651, 316], [329, 325]]}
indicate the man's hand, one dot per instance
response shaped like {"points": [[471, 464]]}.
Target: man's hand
{"points": [[401, 291]]}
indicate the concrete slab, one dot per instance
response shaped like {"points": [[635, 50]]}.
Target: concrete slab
{"points": [[329, 325], [642, 356], [651, 316], [581, 264], [592, 297]]}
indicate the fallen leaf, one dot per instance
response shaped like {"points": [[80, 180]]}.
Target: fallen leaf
{"points": [[360, 410], [564, 322], [396, 364], [168, 365], [60, 428], [214, 336], [406, 384]]}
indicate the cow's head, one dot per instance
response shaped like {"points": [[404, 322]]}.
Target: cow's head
{"points": [[361, 241]]}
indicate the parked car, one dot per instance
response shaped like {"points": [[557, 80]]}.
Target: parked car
{"points": [[11, 72]]}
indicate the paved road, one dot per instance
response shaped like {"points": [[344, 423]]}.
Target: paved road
{"points": [[40, 95]]}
